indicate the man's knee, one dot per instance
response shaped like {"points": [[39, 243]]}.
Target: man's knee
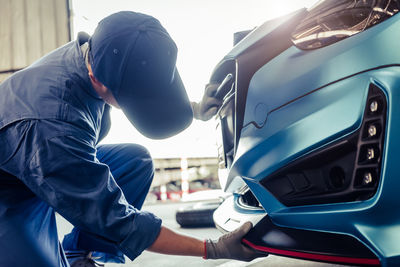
{"points": [[135, 150], [130, 164], [140, 160], [135, 173]]}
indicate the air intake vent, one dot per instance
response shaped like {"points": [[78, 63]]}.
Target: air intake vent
{"points": [[345, 171]]}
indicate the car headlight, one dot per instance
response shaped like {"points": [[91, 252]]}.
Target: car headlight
{"points": [[330, 21]]}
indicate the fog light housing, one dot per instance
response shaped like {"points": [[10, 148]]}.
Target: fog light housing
{"points": [[373, 107], [372, 131], [370, 153], [367, 178]]}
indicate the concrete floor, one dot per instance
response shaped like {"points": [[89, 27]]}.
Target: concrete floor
{"points": [[166, 211]]}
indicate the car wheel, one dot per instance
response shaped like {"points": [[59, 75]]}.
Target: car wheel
{"points": [[198, 215]]}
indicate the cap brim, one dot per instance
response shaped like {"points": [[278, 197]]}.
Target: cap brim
{"points": [[162, 111]]}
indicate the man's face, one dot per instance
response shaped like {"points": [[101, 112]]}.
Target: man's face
{"points": [[101, 89]]}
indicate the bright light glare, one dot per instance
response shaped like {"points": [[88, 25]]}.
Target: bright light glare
{"points": [[203, 31]]}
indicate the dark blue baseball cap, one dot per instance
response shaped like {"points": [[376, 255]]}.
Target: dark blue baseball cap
{"points": [[134, 57]]}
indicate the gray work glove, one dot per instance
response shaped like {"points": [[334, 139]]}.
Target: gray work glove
{"points": [[209, 105], [229, 246]]}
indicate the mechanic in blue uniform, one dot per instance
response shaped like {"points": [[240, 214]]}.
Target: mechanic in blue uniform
{"points": [[53, 115]]}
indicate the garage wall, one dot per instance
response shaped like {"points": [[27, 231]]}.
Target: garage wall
{"points": [[30, 29]]}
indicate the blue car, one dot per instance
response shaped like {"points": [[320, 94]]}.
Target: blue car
{"points": [[309, 134]]}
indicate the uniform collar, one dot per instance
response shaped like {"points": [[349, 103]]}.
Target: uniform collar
{"points": [[79, 62]]}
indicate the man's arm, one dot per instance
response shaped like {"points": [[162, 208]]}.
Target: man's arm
{"points": [[228, 246], [169, 242]]}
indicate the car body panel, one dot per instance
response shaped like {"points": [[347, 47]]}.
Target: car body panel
{"points": [[296, 72], [359, 219]]}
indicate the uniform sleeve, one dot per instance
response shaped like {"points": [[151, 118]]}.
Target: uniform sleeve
{"points": [[65, 173]]}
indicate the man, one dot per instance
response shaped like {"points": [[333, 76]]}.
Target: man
{"points": [[52, 116]]}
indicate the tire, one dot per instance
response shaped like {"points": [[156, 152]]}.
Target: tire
{"points": [[199, 215]]}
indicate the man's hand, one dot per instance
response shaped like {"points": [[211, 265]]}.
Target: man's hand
{"points": [[209, 105], [229, 246]]}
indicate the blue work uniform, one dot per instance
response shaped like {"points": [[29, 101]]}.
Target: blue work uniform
{"points": [[51, 121]]}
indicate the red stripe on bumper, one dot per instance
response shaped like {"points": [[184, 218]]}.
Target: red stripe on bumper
{"points": [[317, 257]]}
